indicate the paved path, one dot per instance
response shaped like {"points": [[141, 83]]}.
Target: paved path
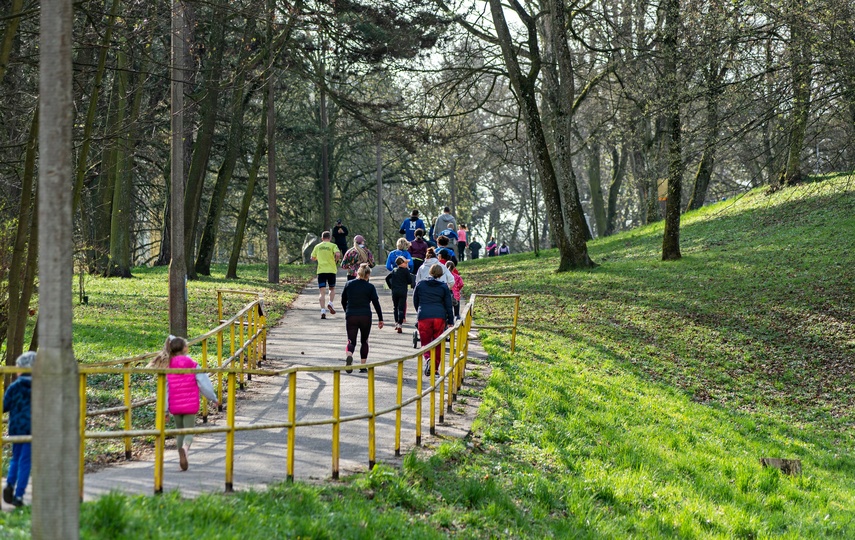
{"points": [[302, 338]]}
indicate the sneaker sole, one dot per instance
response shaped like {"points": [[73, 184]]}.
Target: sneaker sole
{"points": [[8, 494], [348, 362], [182, 459], [330, 309]]}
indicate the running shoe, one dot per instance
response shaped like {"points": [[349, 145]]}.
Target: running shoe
{"points": [[330, 309], [348, 362]]}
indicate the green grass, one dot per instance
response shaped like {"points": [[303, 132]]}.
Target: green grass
{"points": [[637, 405]]}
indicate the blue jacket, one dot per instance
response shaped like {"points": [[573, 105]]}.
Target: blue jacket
{"points": [[409, 226], [432, 300], [449, 233], [17, 402], [390, 261]]}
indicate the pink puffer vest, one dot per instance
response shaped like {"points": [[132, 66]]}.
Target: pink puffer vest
{"points": [[183, 390]]}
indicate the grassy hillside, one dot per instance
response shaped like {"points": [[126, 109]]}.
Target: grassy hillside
{"points": [[637, 404]]}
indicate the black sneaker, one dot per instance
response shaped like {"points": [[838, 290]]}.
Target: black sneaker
{"points": [[8, 494], [17, 502], [363, 370], [323, 315], [427, 369], [348, 362]]}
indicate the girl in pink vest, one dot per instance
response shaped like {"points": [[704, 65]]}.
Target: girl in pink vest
{"points": [[182, 391]]}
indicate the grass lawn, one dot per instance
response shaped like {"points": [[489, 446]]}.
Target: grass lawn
{"points": [[637, 405]]}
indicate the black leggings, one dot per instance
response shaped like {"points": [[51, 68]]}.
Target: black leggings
{"points": [[361, 324], [399, 301]]}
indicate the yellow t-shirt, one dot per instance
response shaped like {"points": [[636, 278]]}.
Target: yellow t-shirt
{"points": [[325, 254]]}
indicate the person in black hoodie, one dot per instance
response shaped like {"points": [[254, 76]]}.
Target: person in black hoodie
{"points": [[356, 300], [432, 300], [399, 280]]}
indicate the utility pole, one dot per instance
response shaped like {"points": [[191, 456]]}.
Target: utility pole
{"points": [[55, 400], [272, 210], [178, 262]]}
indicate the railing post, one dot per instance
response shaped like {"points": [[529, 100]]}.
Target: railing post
{"points": [[399, 401], [516, 318], [336, 427], [204, 366], [432, 382], [219, 307], [243, 354], [452, 367], [292, 420], [220, 366], [419, 359], [230, 434], [82, 390], [372, 421], [160, 438], [263, 331], [442, 370], [126, 381]]}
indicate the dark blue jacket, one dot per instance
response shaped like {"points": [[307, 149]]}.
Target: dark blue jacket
{"points": [[17, 402], [432, 300], [358, 296]]}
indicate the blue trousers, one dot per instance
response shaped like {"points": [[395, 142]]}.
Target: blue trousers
{"points": [[19, 468]]}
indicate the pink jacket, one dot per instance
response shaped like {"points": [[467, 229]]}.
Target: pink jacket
{"points": [[458, 284], [183, 390]]}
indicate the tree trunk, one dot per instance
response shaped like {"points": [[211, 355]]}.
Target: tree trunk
{"points": [[801, 70], [9, 35], [165, 253], [705, 167], [91, 113], [596, 181], [240, 99], [572, 250], [671, 237], [240, 227], [618, 173], [224, 176], [121, 219], [56, 403], [204, 141], [17, 302]]}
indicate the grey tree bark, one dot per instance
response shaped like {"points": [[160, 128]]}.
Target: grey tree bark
{"points": [[178, 264], [272, 213], [573, 250], [56, 404]]}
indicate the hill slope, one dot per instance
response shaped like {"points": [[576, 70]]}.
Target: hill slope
{"points": [[637, 404]]}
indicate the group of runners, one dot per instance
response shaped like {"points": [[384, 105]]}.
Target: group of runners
{"points": [[428, 266]]}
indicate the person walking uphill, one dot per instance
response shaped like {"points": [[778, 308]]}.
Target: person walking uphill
{"points": [[402, 246], [357, 256], [432, 300], [356, 299], [327, 254], [18, 401], [339, 234], [411, 225], [444, 221], [399, 280], [418, 250], [182, 391]]}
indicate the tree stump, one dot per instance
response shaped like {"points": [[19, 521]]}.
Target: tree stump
{"points": [[786, 466]]}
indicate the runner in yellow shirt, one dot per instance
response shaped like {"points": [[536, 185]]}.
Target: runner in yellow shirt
{"points": [[328, 256]]}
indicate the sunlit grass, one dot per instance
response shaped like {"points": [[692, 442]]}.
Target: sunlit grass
{"points": [[637, 405]]}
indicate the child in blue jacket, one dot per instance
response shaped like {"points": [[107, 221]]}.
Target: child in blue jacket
{"points": [[18, 401]]}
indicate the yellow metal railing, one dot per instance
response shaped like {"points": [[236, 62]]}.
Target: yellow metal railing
{"points": [[244, 360]]}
